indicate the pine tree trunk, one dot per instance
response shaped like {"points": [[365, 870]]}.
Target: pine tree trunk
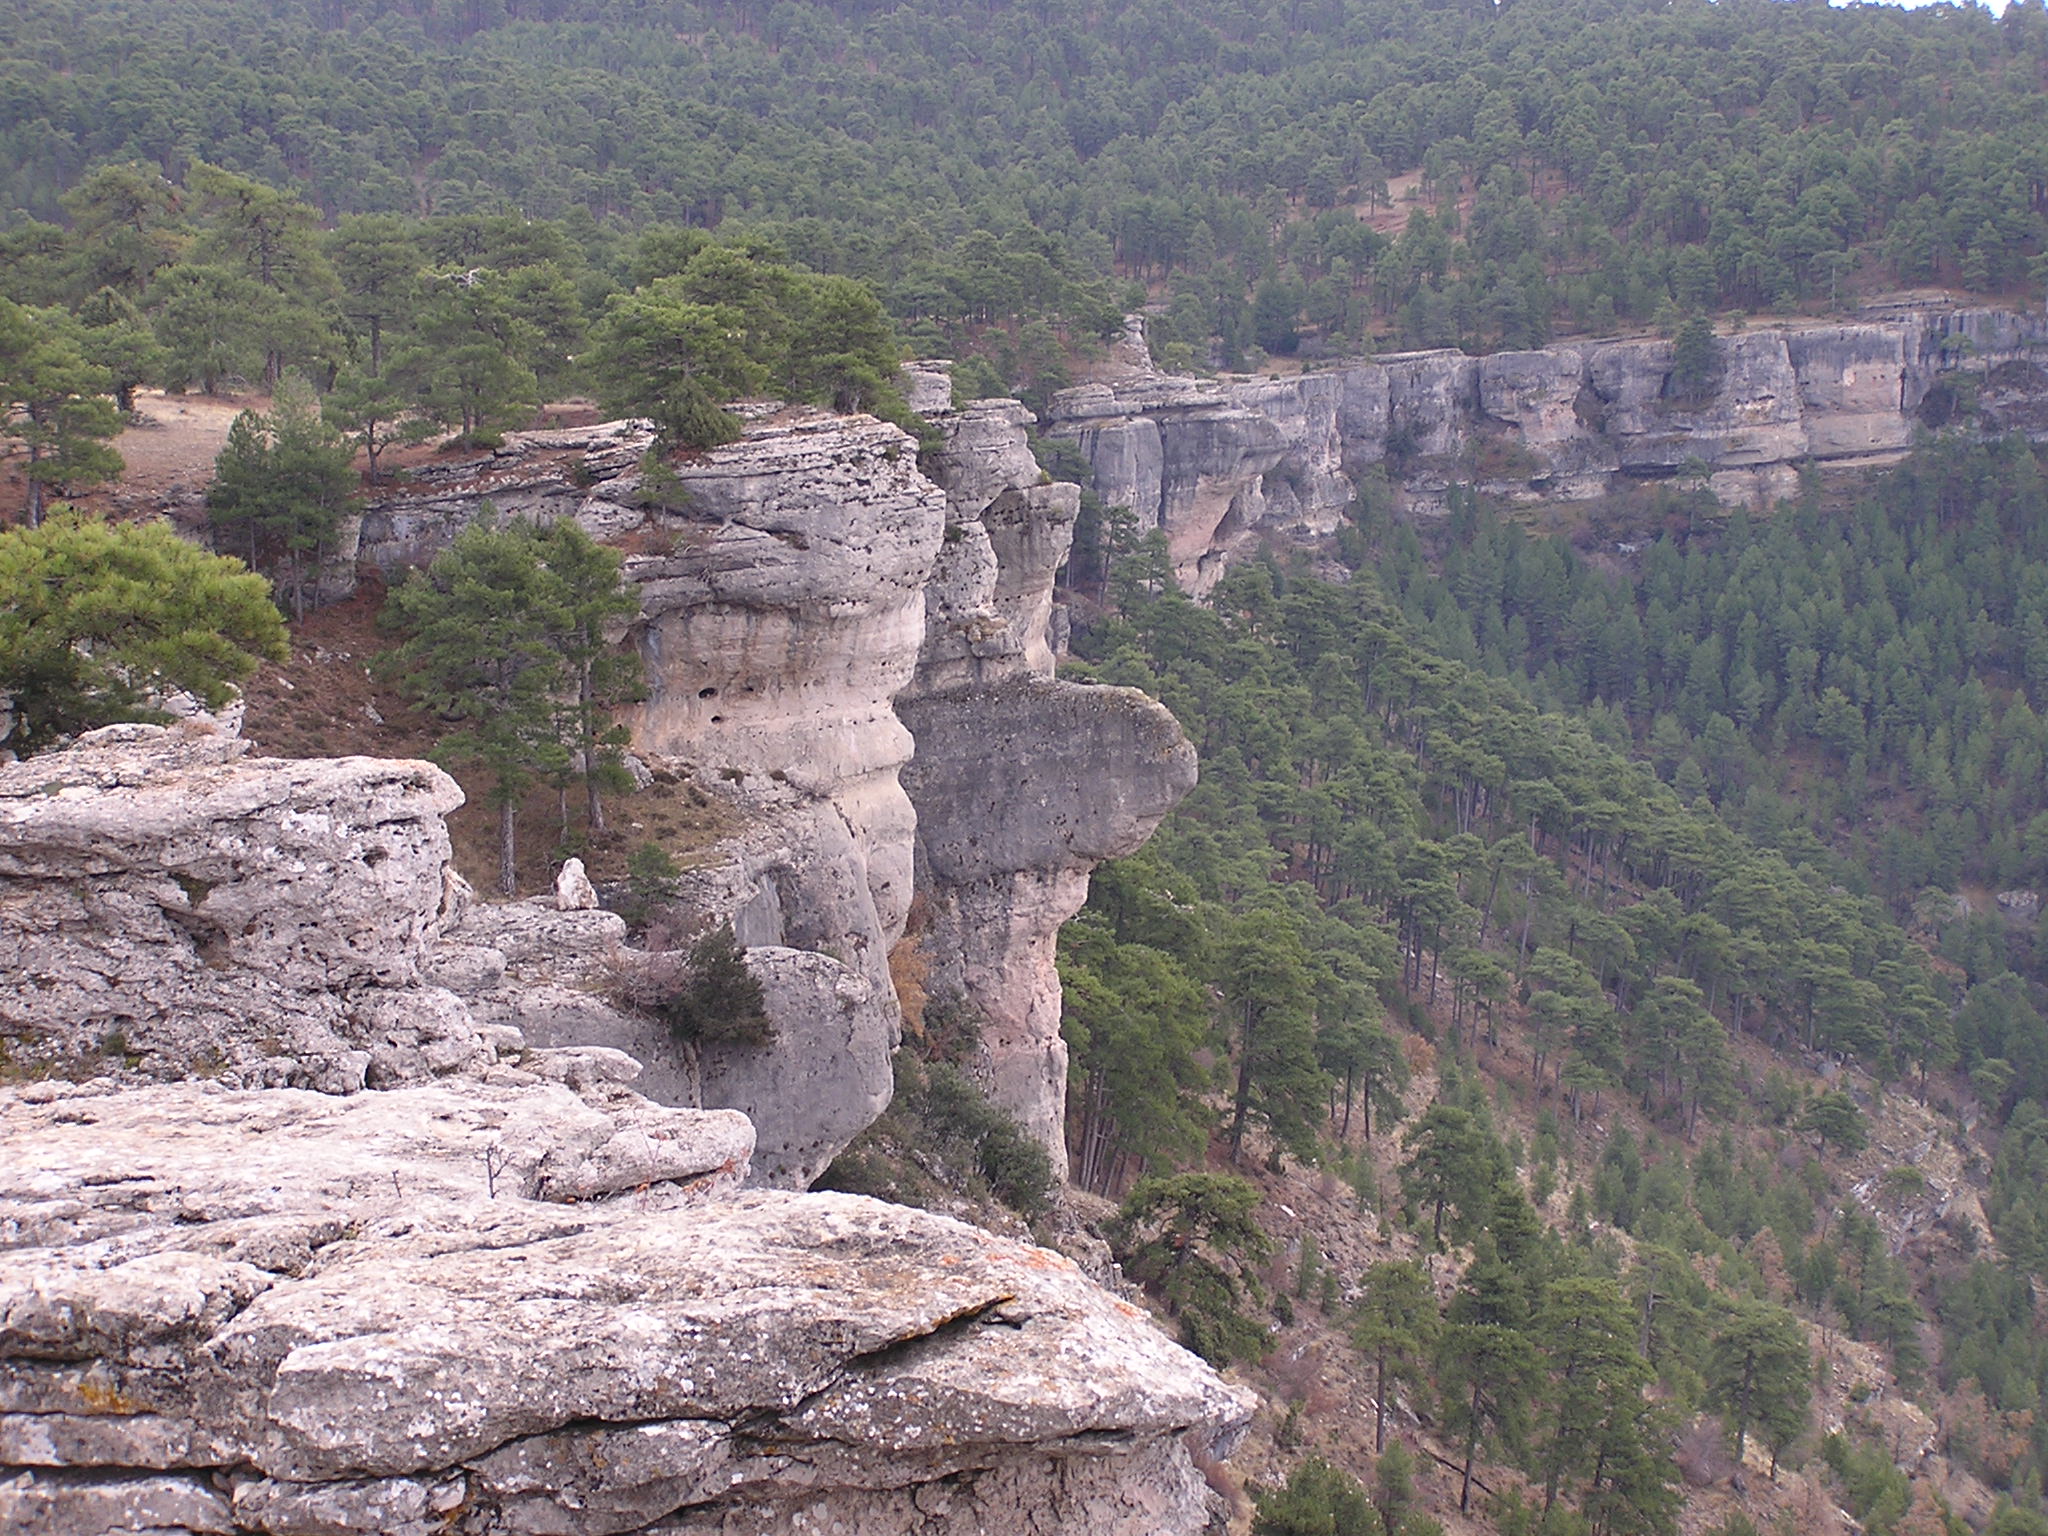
{"points": [[1379, 1406], [588, 707], [507, 848]]}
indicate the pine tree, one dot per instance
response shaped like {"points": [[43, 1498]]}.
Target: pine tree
{"points": [[1266, 983], [282, 486], [1760, 1375], [602, 675], [481, 626], [96, 618], [1448, 1169], [54, 402], [721, 1000], [1394, 1325], [1195, 1236]]}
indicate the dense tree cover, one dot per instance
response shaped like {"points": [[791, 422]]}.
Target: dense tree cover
{"points": [[1860, 687], [1378, 827], [1582, 162], [1803, 668], [409, 327], [1413, 798], [99, 620]]}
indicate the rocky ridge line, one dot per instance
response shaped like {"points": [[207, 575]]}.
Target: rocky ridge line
{"points": [[1221, 463]]}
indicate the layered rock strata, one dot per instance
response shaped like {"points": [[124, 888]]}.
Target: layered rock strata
{"points": [[1221, 463], [782, 581], [826, 624], [506, 1306], [1022, 783], [167, 900]]}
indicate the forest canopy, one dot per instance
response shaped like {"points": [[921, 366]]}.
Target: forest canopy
{"points": [[1341, 170]]}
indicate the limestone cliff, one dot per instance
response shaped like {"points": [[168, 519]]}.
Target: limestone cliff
{"points": [[1220, 463], [1022, 783], [505, 1294], [826, 625]]}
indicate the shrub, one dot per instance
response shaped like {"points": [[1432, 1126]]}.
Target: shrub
{"points": [[720, 1000]]}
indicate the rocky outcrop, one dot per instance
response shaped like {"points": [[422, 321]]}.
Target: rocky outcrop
{"points": [[1021, 791], [825, 623], [473, 1285], [783, 582], [1219, 464], [505, 1305], [1022, 784], [1213, 464], [169, 903]]}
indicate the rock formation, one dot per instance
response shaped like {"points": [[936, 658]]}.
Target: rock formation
{"points": [[825, 623], [1022, 784], [166, 901], [504, 1294], [1220, 463]]}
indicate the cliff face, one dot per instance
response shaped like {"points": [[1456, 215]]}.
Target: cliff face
{"points": [[1219, 463], [860, 649], [1022, 783], [506, 1294]]}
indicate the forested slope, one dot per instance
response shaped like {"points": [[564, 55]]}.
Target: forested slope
{"points": [[1585, 162], [1631, 846]]}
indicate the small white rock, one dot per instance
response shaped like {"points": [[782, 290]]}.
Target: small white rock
{"points": [[573, 890]]}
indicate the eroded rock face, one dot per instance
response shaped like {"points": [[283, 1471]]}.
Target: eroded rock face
{"points": [[512, 1306], [496, 1290], [1214, 464], [170, 903], [1022, 784], [795, 586], [1219, 463], [1022, 789]]}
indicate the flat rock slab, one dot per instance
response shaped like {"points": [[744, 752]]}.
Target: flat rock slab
{"points": [[512, 1306]]}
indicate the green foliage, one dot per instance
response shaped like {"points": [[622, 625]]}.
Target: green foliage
{"points": [[1695, 361], [282, 485], [1832, 1119], [1227, 157], [1451, 1166], [52, 401], [1266, 985], [602, 676], [1878, 1492], [651, 876], [480, 626], [1194, 1237], [734, 321], [939, 1119], [1395, 1325], [1318, 1500], [1134, 1020], [1760, 1376], [97, 618], [719, 1001], [376, 410], [507, 633]]}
